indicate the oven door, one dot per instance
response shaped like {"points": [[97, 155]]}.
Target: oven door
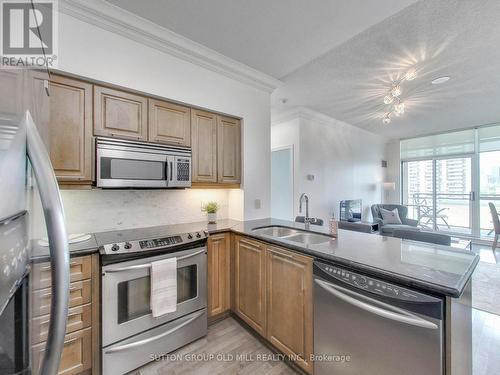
{"points": [[123, 168], [126, 293], [14, 333]]}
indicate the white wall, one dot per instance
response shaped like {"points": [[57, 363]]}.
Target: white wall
{"points": [[345, 162], [393, 173], [92, 52]]}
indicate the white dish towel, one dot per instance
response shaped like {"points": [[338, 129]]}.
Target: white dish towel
{"points": [[163, 287]]}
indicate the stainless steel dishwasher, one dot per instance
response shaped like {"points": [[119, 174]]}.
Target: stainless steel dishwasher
{"points": [[363, 325]]}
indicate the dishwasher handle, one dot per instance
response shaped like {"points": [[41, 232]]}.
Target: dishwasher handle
{"points": [[402, 316]]}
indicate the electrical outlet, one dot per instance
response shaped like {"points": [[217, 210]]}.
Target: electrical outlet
{"points": [[257, 203]]}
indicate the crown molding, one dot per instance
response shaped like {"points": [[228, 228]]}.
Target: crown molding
{"points": [[302, 113], [307, 114], [117, 20]]}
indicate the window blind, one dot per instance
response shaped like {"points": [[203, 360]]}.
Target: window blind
{"points": [[489, 138], [459, 142]]}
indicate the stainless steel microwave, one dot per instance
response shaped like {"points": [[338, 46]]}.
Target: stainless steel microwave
{"points": [[132, 164]]}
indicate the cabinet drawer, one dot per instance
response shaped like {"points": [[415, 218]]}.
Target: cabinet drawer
{"points": [[76, 355], [80, 293], [79, 317], [80, 268]]}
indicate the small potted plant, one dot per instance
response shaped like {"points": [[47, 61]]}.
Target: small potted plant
{"points": [[211, 209]]}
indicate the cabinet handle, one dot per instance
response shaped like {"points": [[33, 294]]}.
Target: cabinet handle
{"points": [[284, 255], [46, 86], [71, 341]]}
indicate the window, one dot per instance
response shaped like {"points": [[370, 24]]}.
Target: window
{"points": [[448, 179]]}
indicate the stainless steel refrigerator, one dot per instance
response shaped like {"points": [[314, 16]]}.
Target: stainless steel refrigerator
{"points": [[26, 175]]}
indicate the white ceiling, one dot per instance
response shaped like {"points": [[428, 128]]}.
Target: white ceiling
{"points": [[339, 57], [273, 36], [447, 37]]}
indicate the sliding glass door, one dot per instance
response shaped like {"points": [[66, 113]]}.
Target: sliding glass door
{"points": [[489, 166], [438, 193], [439, 174]]}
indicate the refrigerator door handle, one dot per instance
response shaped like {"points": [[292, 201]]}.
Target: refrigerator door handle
{"points": [[58, 246]]}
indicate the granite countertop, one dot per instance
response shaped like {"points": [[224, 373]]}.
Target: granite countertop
{"points": [[433, 268], [40, 253]]}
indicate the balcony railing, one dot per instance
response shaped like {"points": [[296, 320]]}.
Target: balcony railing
{"points": [[452, 211]]}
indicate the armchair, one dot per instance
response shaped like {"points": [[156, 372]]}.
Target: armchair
{"points": [[388, 229]]}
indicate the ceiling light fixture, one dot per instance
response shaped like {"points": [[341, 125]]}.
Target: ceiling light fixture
{"points": [[440, 80], [393, 97], [388, 99], [411, 74], [399, 108], [396, 91]]}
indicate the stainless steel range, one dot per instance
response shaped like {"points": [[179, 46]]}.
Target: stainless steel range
{"points": [[131, 336]]}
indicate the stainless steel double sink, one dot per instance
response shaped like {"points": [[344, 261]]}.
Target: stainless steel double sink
{"points": [[291, 234]]}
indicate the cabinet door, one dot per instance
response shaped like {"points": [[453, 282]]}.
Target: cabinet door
{"points": [[218, 274], [228, 150], [169, 123], [204, 145], [120, 114], [289, 294], [69, 127], [250, 281], [11, 92]]}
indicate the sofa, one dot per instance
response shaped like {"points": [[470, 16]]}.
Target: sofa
{"points": [[388, 229]]}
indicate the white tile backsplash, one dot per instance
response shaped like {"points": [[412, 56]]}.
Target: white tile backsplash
{"points": [[102, 210]]}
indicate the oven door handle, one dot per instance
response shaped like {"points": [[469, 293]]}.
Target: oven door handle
{"points": [[154, 338], [148, 265], [166, 171], [399, 317]]}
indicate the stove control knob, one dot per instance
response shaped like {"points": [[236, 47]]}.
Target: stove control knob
{"points": [[361, 281], [198, 235], [190, 236], [128, 245], [115, 247]]}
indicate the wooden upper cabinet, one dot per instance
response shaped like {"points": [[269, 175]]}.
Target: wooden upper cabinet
{"points": [[204, 146], [250, 283], [169, 123], [69, 128], [120, 114], [11, 92], [289, 294], [218, 274], [228, 150]]}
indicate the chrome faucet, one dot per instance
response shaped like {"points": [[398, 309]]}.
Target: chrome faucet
{"points": [[307, 219]]}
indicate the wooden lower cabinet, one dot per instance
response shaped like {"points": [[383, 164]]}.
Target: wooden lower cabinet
{"points": [[289, 305], [250, 283], [81, 353], [273, 295], [80, 269], [218, 274], [79, 317], [76, 357]]}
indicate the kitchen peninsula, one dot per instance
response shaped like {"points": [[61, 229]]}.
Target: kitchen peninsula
{"points": [[256, 276]]}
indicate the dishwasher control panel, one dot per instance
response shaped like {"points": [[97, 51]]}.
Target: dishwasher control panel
{"points": [[372, 285]]}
